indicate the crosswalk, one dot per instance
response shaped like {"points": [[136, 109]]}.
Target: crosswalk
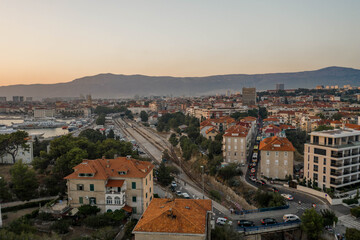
{"points": [[349, 221]]}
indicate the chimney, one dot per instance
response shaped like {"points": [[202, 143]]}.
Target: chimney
{"points": [[103, 157], [115, 155], [343, 125]]}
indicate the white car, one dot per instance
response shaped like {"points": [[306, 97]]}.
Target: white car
{"points": [[287, 196], [223, 221], [185, 195], [173, 184], [290, 218]]}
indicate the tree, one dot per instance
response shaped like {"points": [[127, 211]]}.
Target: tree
{"points": [[101, 120], [230, 171], [61, 226], [312, 223], [4, 191], [337, 116], [173, 140], [323, 128], [111, 134], [11, 143], [225, 233], [87, 210], [329, 217], [163, 175], [352, 234], [24, 181], [144, 116], [92, 135]]}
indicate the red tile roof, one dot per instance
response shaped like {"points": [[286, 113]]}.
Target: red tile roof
{"points": [[115, 183], [175, 216], [107, 168], [276, 144], [236, 131]]}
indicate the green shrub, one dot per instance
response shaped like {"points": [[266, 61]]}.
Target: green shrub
{"points": [[355, 212], [61, 227], [351, 201], [45, 216], [88, 210], [5, 216], [215, 194]]}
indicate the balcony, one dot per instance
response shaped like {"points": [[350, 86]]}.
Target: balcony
{"points": [[346, 163], [335, 173], [337, 155], [346, 172], [115, 192], [336, 164], [336, 182], [354, 170]]}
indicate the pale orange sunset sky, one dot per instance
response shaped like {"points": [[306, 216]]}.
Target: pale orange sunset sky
{"points": [[57, 41]]}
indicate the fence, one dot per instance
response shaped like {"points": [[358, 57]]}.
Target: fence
{"points": [[261, 210], [270, 226]]}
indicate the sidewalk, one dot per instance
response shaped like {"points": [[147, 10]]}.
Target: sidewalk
{"points": [[12, 204]]}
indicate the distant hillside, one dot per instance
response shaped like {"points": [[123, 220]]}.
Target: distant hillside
{"points": [[118, 86]]}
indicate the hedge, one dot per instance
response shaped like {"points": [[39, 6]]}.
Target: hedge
{"points": [[355, 212], [24, 206], [351, 201]]}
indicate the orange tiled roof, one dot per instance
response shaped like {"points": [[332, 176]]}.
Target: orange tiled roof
{"points": [[353, 126], [236, 131], [270, 119], [107, 168], [115, 183], [175, 216], [276, 144]]}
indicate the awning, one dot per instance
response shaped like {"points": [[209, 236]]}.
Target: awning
{"points": [[115, 183], [127, 208]]}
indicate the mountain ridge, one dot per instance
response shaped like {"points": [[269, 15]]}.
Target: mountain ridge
{"points": [[109, 85]]}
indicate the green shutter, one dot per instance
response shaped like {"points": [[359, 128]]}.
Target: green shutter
{"points": [[133, 184], [92, 187], [134, 210], [81, 200], [134, 198]]}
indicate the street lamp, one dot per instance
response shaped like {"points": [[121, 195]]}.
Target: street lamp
{"points": [[202, 169]]}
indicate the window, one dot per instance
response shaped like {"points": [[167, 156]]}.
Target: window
{"points": [[150, 198], [109, 200], [92, 200], [122, 173], [324, 161], [324, 179], [234, 153], [285, 154], [117, 200], [150, 190], [316, 159], [91, 187], [267, 153], [229, 147], [134, 198], [150, 176], [324, 170], [134, 210], [235, 147], [133, 185], [80, 187], [81, 200], [276, 162], [229, 140], [235, 140], [276, 153], [146, 195], [146, 181], [315, 176], [285, 162], [267, 161], [241, 140], [320, 151], [316, 168]]}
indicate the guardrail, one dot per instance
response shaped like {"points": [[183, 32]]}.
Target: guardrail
{"points": [[261, 210], [277, 226]]}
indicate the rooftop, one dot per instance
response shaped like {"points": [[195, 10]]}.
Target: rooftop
{"points": [[337, 133], [276, 144], [175, 216]]}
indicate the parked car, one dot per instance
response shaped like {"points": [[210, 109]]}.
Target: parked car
{"points": [[274, 189], [223, 221], [287, 196], [251, 174], [179, 193], [245, 223], [254, 156], [267, 221], [251, 165], [252, 179], [290, 218], [253, 170], [260, 182], [173, 184], [263, 182], [185, 195]]}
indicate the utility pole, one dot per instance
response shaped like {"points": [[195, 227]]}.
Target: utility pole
{"points": [[202, 169]]}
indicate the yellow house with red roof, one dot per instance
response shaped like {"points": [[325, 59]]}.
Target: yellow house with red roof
{"points": [[112, 184]]}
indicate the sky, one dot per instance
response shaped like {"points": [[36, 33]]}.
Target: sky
{"points": [[50, 41]]}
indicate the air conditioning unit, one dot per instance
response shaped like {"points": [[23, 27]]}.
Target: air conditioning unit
{"points": [[86, 197]]}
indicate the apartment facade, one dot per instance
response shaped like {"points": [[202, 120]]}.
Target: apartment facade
{"points": [[112, 184], [332, 158], [277, 157], [175, 219], [249, 96], [236, 141]]}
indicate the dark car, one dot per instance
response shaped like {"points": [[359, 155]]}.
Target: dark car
{"points": [[267, 221], [263, 182], [245, 223], [274, 189]]}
